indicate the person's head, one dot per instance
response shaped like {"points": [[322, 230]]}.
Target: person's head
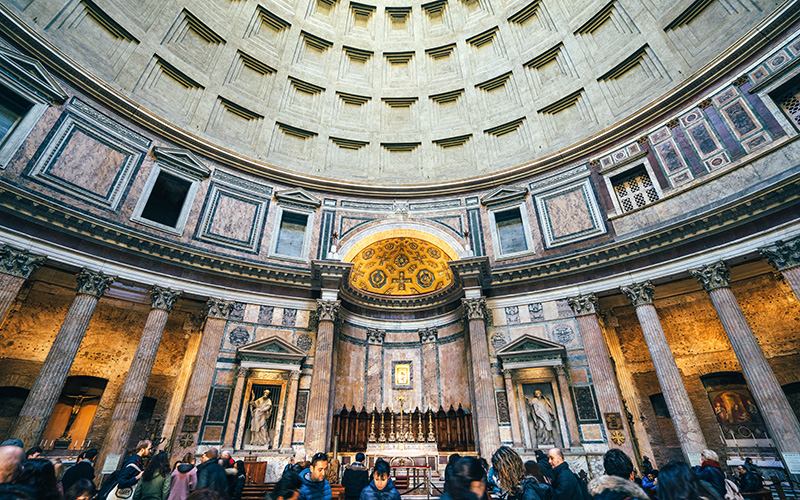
{"points": [[748, 461], [89, 454], [204, 494], [188, 458], [58, 465], [740, 469], [12, 442], [508, 467], [535, 470], [451, 461], [555, 457], [380, 474], [82, 489], [360, 457], [159, 464], [16, 492], [35, 452], [226, 455], [211, 454], [617, 463], [677, 481], [468, 476], [40, 474], [539, 455], [143, 448], [10, 462], [319, 462], [709, 456], [239, 468], [287, 487]]}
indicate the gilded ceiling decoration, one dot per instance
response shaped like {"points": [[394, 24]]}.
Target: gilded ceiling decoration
{"points": [[401, 266]]}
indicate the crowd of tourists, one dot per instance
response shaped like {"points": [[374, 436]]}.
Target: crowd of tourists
{"points": [[148, 475]]}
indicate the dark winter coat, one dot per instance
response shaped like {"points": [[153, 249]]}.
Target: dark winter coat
{"points": [[81, 470], [469, 496], [314, 490], [547, 469], [238, 487], [749, 482], [210, 474], [371, 492], [711, 473], [565, 483], [531, 489], [131, 469], [354, 480], [615, 488]]}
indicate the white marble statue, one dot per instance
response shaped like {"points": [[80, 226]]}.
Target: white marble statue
{"points": [[260, 411], [543, 415]]}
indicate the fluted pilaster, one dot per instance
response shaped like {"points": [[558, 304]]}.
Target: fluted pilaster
{"points": [[687, 427], [236, 406], [291, 405], [485, 414], [430, 372], [130, 398], [16, 266], [569, 409], [599, 361], [513, 411], [770, 398], [785, 256], [41, 400], [319, 397]]}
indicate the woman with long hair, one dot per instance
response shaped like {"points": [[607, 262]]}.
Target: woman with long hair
{"points": [[467, 481], [512, 477], [238, 484], [156, 480], [39, 474], [183, 478], [676, 481], [82, 489]]}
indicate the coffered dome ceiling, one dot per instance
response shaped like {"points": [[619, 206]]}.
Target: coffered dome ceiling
{"points": [[387, 92], [401, 267]]}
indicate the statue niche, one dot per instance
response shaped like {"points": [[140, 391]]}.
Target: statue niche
{"points": [[542, 415], [262, 412]]}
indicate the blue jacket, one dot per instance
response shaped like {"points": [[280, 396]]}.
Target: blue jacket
{"points": [[711, 473], [371, 492], [314, 490]]}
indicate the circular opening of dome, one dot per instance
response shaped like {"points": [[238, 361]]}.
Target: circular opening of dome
{"points": [[401, 267]]}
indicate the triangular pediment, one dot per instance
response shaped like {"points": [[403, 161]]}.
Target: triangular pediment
{"points": [[298, 197], [274, 348], [183, 160], [504, 194], [32, 74], [528, 344]]}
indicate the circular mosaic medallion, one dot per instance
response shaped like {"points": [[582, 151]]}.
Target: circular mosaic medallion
{"points": [[239, 336]]}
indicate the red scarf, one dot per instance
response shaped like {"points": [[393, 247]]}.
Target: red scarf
{"points": [[710, 463]]}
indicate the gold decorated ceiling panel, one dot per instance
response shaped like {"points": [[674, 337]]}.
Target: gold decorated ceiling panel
{"points": [[401, 266]]}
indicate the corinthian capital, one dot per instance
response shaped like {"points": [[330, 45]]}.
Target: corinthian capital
{"points": [[218, 308], [19, 263], [375, 336], [640, 294], [783, 255], [428, 334], [93, 283], [583, 304], [163, 298], [474, 308], [328, 309], [713, 276]]}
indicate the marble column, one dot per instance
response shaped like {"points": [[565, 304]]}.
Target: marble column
{"points": [[430, 372], [785, 256], [16, 266], [485, 413], [778, 416], [569, 410], [374, 361], [194, 404], [236, 405], [687, 427], [513, 411], [130, 398], [603, 376], [291, 405], [317, 431], [41, 401]]}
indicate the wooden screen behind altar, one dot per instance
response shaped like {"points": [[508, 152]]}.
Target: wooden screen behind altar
{"points": [[274, 396]]}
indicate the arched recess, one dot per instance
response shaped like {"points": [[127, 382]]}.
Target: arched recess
{"points": [[372, 232], [69, 423], [792, 392]]}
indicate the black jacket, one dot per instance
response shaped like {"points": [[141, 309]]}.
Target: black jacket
{"points": [[210, 474], [132, 468], [615, 488], [565, 483], [713, 476], [547, 469], [749, 482], [81, 470], [531, 489], [238, 487], [354, 480]]}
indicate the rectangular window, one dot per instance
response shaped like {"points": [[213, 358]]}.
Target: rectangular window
{"points": [[634, 189], [166, 200], [12, 110], [789, 100], [291, 234], [510, 231]]}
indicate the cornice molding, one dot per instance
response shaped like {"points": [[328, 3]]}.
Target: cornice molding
{"points": [[749, 46]]}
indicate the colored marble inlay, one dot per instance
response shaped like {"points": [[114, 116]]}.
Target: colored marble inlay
{"points": [[670, 156], [740, 118]]}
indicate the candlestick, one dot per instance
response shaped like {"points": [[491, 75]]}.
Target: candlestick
{"points": [[421, 435], [391, 434], [431, 437], [372, 428], [382, 437]]}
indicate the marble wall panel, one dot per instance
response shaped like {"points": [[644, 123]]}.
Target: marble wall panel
{"points": [[349, 373], [455, 387]]}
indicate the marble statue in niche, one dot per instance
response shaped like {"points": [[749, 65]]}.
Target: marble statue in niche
{"points": [[542, 415], [260, 413]]}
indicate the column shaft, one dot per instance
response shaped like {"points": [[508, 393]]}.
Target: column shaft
{"points": [[291, 405], [181, 386], [569, 410], [10, 286], [236, 406], [792, 276], [485, 412], [513, 411], [374, 375], [319, 397], [778, 415], [15, 267], [687, 427], [430, 376]]}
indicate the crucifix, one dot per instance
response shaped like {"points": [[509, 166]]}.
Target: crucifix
{"points": [[401, 282]]}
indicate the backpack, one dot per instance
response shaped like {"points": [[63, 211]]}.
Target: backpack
{"points": [[585, 488], [732, 491]]}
